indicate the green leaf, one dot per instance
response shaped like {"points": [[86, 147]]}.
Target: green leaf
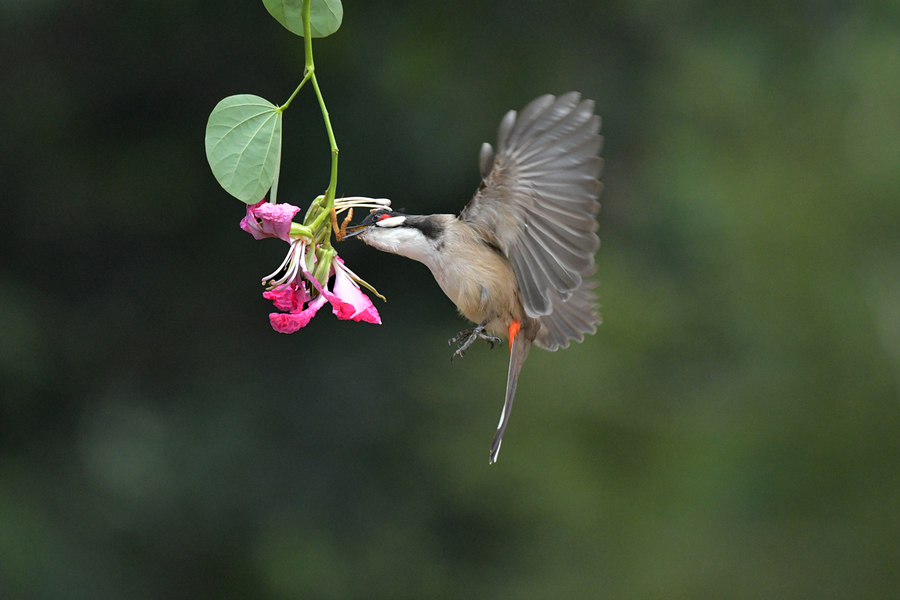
{"points": [[243, 145], [325, 16]]}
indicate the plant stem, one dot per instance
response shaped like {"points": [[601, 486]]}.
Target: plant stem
{"points": [[306, 77], [273, 195], [310, 73], [332, 187], [307, 37], [298, 230]]}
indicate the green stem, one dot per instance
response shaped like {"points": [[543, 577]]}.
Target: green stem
{"points": [[329, 197], [273, 195], [313, 211], [325, 256], [298, 230], [307, 36], [310, 73], [306, 77]]}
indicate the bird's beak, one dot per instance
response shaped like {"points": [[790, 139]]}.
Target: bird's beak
{"points": [[355, 230]]}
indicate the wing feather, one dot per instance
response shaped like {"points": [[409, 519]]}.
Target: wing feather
{"points": [[531, 294], [562, 226], [529, 117], [570, 258], [568, 133], [538, 205], [551, 255], [571, 319], [506, 125]]}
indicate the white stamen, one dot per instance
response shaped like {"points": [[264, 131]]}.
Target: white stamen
{"points": [[342, 204], [291, 265], [271, 276]]}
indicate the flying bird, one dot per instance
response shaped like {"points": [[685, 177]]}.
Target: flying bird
{"points": [[518, 259]]}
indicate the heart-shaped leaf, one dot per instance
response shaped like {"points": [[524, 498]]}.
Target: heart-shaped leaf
{"points": [[243, 145], [325, 16]]}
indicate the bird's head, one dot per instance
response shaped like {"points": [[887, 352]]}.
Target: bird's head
{"points": [[380, 219], [412, 236]]}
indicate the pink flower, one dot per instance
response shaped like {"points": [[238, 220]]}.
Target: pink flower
{"points": [[265, 219], [347, 300], [297, 293], [293, 321]]}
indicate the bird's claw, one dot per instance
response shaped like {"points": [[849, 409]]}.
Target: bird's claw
{"points": [[467, 337]]}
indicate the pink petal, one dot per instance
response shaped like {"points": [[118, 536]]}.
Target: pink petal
{"points": [[265, 219], [348, 301], [288, 298], [289, 323]]}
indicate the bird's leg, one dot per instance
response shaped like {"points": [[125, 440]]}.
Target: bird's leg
{"points": [[467, 337]]}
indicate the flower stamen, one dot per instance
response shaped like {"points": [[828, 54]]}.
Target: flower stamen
{"points": [[342, 204]]}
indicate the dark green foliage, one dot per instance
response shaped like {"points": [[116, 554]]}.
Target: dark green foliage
{"points": [[731, 431]]}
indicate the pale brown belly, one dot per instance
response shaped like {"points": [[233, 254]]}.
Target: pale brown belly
{"points": [[483, 289]]}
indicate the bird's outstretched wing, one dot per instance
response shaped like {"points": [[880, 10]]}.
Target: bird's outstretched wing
{"points": [[538, 205]]}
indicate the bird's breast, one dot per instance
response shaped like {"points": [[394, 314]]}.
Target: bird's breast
{"points": [[480, 282]]}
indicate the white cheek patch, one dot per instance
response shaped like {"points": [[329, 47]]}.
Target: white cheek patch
{"points": [[390, 222]]}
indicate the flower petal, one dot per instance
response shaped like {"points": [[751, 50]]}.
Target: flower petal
{"points": [[288, 298], [291, 322], [347, 300], [265, 219]]}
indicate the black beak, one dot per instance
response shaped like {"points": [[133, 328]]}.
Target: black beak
{"points": [[362, 226], [355, 230]]}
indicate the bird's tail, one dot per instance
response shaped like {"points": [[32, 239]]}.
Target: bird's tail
{"points": [[518, 352]]}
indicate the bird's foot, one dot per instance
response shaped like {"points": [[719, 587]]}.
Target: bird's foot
{"points": [[467, 337]]}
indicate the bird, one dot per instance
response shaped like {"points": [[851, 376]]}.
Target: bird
{"points": [[518, 260]]}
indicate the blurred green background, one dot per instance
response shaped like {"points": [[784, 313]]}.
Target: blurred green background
{"points": [[731, 431]]}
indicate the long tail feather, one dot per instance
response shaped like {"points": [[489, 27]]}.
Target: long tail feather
{"points": [[518, 351]]}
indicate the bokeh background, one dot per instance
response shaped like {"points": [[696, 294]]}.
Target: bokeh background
{"points": [[731, 431]]}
